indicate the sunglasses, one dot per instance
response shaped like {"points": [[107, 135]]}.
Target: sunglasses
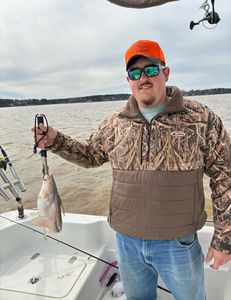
{"points": [[149, 71]]}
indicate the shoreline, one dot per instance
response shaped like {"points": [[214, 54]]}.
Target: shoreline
{"points": [[100, 98]]}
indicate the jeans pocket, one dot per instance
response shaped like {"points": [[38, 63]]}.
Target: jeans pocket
{"points": [[187, 241]]}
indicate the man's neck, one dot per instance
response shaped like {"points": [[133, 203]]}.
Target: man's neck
{"points": [[150, 113]]}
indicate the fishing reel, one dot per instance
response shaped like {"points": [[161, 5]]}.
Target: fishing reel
{"points": [[3, 163], [211, 17]]}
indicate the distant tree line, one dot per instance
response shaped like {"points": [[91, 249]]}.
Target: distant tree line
{"points": [[207, 92], [95, 98], [98, 98]]}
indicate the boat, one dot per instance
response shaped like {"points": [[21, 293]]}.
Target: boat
{"points": [[212, 17], [69, 265], [140, 3]]}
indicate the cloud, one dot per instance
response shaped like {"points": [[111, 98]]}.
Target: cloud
{"points": [[58, 48]]}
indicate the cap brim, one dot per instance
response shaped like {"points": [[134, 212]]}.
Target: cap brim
{"points": [[135, 57]]}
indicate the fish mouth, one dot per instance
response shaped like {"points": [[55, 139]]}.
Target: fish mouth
{"points": [[46, 176]]}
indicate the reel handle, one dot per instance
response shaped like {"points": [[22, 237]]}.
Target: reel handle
{"points": [[213, 9]]}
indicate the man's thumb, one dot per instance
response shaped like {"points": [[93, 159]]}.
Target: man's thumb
{"points": [[42, 127], [209, 255]]}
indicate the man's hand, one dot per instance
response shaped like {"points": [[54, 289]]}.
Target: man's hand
{"points": [[48, 139], [219, 258]]}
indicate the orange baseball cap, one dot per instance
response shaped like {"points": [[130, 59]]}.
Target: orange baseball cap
{"points": [[146, 48]]}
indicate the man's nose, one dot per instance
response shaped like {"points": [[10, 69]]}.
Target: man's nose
{"points": [[143, 76]]}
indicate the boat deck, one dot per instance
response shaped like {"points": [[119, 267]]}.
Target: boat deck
{"points": [[33, 267]]}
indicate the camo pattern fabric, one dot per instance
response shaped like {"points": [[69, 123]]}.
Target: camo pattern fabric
{"points": [[186, 135]]}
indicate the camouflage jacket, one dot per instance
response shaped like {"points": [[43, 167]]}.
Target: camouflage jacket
{"points": [[185, 136]]}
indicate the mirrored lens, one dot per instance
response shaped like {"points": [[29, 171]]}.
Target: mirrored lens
{"points": [[149, 71], [134, 74]]}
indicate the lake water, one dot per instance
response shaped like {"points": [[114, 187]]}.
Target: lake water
{"points": [[82, 190]]}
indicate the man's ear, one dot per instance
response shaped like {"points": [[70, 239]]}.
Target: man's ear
{"points": [[166, 73]]}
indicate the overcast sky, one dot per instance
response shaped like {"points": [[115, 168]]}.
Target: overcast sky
{"points": [[70, 48]]}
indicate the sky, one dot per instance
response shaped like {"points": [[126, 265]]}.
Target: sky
{"points": [[71, 48]]}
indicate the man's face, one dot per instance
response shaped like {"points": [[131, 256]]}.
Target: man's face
{"points": [[148, 91]]}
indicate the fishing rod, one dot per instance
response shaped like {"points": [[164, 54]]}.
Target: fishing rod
{"points": [[11, 183], [73, 247], [57, 240]]}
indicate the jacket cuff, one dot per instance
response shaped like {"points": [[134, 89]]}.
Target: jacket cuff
{"points": [[220, 245], [58, 142]]}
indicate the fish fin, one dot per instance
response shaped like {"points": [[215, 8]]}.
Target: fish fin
{"points": [[55, 220], [62, 207], [61, 204], [39, 221], [59, 200], [45, 233]]}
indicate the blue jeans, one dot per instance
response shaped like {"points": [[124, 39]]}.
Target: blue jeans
{"points": [[179, 263]]}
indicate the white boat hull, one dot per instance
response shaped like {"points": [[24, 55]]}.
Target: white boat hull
{"points": [[35, 268]]}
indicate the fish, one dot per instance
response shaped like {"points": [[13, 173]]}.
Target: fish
{"points": [[140, 3], [49, 207]]}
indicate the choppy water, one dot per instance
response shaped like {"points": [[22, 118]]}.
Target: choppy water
{"points": [[82, 190]]}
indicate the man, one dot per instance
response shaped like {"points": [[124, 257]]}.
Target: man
{"points": [[159, 146]]}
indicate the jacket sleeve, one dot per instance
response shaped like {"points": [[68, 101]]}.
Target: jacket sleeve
{"points": [[85, 154], [218, 168]]}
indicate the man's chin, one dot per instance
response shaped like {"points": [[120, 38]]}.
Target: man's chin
{"points": [[147, 102]]}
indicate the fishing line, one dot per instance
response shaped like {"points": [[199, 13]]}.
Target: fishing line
{"points": [[75, 248], [64, 243]]}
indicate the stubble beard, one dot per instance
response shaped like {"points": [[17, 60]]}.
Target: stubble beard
{"points": [[148, 99], [148, 102]]}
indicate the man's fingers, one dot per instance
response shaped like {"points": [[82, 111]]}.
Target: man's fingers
{"points": [[217, 263], [209, 255], [42, 127], [214, 266], [45, 136], [40, 135], [219, 258], [39, 131]]}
